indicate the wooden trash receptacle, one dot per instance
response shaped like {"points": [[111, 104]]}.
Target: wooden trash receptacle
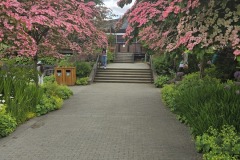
{"points": [[65, 75]]}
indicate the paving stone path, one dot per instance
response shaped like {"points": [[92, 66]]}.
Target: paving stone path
{"points": [[104, 121]]}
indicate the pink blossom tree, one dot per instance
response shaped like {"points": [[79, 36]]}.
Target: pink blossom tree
{"points": [[168, 25], [194, 25], [43, 27]]}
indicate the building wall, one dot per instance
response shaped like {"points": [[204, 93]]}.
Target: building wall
{"points": [[123, 48], [135, 47], [132, 48]]}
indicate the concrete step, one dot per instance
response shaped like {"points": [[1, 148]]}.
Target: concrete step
{"points": [[123, 57], [122, 81], [149, 80], [122, 61], [123, 75], [124, 54], [124, 69]]}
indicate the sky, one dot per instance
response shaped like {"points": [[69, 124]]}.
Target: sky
{"points": [[117, 10]]}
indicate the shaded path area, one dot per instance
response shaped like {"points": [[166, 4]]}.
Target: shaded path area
{"points": [[103, 121]]}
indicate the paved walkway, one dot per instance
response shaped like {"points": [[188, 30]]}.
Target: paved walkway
{"points": [[103, 121]]}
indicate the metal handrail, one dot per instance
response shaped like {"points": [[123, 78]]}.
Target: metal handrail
{"points": [[154, 74], [115, 53], [94, 70]]}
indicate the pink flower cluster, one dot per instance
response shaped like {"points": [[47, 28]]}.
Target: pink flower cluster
{"points": [[29, 26], [169, 25]]}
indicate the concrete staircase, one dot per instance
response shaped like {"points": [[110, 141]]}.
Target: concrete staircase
{"points": [[124, 58], [123, 75]]}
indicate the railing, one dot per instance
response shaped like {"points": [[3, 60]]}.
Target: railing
{"points": [[48, 70], [94, 70], [154, 74], [133, 58]]}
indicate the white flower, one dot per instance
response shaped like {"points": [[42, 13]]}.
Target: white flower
{"points": [[3, 101], [1, 95]]}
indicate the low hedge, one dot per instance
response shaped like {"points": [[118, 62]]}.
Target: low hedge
{"points": [[204, 103]]}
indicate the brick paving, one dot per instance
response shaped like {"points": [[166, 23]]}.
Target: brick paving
{"points": [[104, 121]]}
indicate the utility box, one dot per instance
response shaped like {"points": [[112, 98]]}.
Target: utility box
{"points": [[65, 75]]}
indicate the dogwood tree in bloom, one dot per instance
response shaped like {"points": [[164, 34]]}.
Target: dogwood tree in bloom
{"points": [[31, 28], [194, 24]]}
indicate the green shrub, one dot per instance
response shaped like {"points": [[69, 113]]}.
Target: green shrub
{"points": [[83, 69], [167, 63], [168, 93], [2, 108], [208, 103], [204, 102], [23, 100], [20, 94], [64, 92], [65, 62], [48, 104], [18, 60], [160, 81], [49, 79], [225, 64], [109, 56], [45, 105], [220, 144], [53, 97], [30, 115], [163, 64], [82, 81], [211, 72], [192, 64], [111, 39], [53, 89], [48, 60], [7, 124], [190, 80]]}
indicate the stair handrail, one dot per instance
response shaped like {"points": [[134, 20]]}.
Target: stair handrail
{"points": [[94, 70], [115, 52], [154, 74], [133, 58]]}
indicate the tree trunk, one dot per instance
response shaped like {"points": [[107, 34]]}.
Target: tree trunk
{"points": [[35, 60], [202, 63], [201, 67]]}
